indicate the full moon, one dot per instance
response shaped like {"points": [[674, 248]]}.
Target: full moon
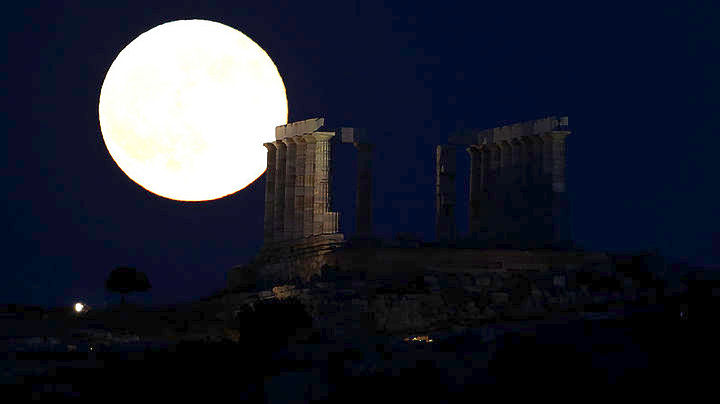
{"points": [[185, 108]]}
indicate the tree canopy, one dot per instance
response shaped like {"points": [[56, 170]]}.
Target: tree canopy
{"points": [[124, 280]]}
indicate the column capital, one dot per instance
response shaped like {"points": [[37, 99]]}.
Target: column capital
{"points": [[320, 136], [557, 134], [270, 145], [288, 141]]}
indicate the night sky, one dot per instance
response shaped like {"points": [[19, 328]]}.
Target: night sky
{"points": [[639, 83]]}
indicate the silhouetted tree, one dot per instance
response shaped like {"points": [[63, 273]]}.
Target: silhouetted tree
{"points": [[124, 280]]}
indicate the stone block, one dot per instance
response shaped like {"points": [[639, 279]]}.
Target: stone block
{"points": [[299, 128]]}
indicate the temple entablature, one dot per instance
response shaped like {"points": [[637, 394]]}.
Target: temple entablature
{"points": [[510, 132]]}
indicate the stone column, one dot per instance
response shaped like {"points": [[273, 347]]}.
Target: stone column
{"points": [[528, 159], [518, 162], [289, 215], [505, 161], [268, 225], [299, 209], [554, 170], [535, 145], [363, 218], [494, 150], [308, 216], [279, 211], [323, 221], [445, 193], [476, 188], [554, 158], [495, 209]]}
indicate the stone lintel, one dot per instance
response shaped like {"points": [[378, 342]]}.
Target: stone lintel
{"points": [[320, 136], [508, 132], [299, 128]]}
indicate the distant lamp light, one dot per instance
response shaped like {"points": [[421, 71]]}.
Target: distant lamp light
{"points": [[79, 307]]}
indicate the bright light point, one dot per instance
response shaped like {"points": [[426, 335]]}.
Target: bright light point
{"points": [[79, 307], [186, 106]]}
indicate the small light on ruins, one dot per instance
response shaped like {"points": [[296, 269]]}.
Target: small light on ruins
{"points": [[419, 338], [79, 307]]}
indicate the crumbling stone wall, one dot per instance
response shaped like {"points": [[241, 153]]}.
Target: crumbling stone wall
{"points": [[437, 300]]}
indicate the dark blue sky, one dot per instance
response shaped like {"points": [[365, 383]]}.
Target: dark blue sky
{"points": [[639, 83]]}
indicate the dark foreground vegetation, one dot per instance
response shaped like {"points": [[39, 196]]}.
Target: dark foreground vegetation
{"points": [[647, 352]]}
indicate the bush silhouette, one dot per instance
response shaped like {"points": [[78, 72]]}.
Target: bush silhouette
{"points": [[124, 280]]}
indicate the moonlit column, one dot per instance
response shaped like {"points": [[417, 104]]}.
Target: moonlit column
{"points": [[308, 217], [268, 225], [289, 215], [299, 209], [323, 220], [445, 193], [279, 211]]}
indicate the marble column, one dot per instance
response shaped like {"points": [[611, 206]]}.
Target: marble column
{"points": [[309, 214], [445, 193], [268, 225], [505, 161], [518, 153], [289, 215], [535, 145], [494, 169], [554, 169], [554, 159], [363, 217], [529, 161], [495, 208], [323, 221], [477, 177], [299, 209], [279, 211]]}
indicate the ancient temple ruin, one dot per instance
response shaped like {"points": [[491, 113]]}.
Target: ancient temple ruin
{"points": [[517, 209], [300, 225], [297, 192], [517, 196]]}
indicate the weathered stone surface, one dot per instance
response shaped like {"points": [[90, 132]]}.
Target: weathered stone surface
{"points": [[517, 185]]}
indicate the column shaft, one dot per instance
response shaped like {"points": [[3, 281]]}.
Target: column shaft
{"points": [[323, 221], [505, 161], [554, 159], [476, 185], [445, 193], [279, 212], [299, 227], [268, 222], [517, 160], [308, 217], [558, 228], [289, 215]]}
